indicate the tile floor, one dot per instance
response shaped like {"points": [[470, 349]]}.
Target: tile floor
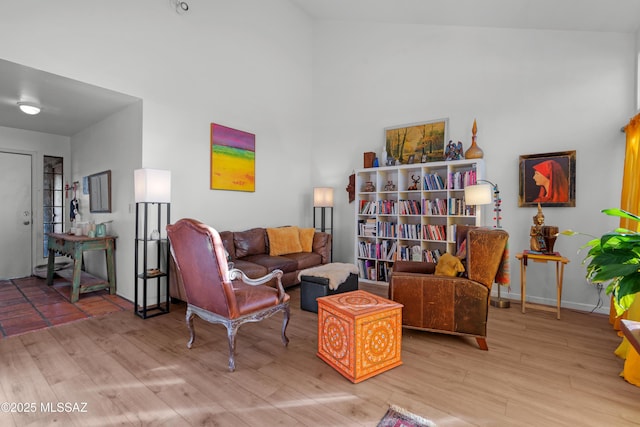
{"points": [[28, 304]]}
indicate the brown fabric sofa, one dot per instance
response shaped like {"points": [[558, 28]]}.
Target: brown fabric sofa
{"points": [[451, 305], [249, 252]]}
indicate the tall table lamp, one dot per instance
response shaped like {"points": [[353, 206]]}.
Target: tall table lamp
{"points": [[485, 194], [323, 200]]}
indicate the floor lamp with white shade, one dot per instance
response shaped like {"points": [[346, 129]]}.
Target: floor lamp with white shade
{"points": [[484, 193]]}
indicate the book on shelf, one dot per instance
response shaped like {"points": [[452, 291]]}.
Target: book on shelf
{"points": [[409, 207], [433, 181], [367, 228], [435, 206], [431, 255], [387, 207], [386, 229], [459, 179], [368, 207]]}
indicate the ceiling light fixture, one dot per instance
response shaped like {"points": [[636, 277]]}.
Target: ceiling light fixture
{"points": [[29, 108], [181, 6]]}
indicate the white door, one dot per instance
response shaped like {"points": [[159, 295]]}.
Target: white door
{"points": [[15, 215]]}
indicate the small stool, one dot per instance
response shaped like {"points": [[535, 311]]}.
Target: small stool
{"points": [[312, 287]]}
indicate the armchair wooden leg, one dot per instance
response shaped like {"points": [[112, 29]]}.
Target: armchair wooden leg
{"points": [[285, 322], [231, 334], [482, 343], [192, 333]]}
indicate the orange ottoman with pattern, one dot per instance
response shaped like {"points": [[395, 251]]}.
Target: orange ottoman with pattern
{"points": [[359, 334]]}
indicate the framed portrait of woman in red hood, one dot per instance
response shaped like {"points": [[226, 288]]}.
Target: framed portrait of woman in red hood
{"points": [[548, 179]]}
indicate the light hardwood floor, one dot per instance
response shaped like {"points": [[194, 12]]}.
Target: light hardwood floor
{"points": [[538, 371]]}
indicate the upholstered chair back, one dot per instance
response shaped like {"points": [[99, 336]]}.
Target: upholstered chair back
{"points": [[201, 262], [485, 248]]}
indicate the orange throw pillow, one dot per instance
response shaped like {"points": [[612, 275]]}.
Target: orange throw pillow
{"points": [[283, 240], [449, 265], [306, 238]]}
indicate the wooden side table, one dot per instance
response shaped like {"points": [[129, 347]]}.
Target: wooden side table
{"points": [[74, 246], [560, 261]]}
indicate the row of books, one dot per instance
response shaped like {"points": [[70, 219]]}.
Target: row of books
{"points": [[405, 253], [409, 207], [459, 180], [437, 206], [434, 207], [371, 270], [416, 253], [367, 269], [368, 207], [433, 181], [367, 228], [434, 232], [391, 230], [387, 229], [458, 207], [384, 250], [409, 231]]}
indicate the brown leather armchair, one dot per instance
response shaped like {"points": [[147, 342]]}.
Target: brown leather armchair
{"points": [[451, 305], [216, 293]]}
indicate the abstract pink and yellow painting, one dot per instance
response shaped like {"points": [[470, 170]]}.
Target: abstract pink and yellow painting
{"points": [[233, 160]]}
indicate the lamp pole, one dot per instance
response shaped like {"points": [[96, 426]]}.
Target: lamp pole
{"points": [[497, 201]]}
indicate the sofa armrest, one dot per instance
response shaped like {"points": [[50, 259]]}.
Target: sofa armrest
{"points": [[322, 245]]}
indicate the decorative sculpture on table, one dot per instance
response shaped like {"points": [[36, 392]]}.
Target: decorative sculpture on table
{"points": [[537, 242], [543, 237]]}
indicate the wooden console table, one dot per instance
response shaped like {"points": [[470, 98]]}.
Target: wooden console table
{"points": [[539, 257], [74, 246]]}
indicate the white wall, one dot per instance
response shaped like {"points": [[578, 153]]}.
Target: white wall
{"points": [[244, 64], [530, 91], [38, 145], [113, 144]]}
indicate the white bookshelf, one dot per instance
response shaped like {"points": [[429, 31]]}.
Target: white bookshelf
{"points": [[417, 223]]}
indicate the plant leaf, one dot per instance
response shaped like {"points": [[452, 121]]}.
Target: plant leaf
{"points": [[621, 213]]}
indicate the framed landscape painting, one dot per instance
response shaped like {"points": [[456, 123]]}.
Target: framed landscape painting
{"points": [[548, 179], [424, 141], [233, 160]]}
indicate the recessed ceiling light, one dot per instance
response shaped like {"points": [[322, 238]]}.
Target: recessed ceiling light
{"points": [[29, 108]]}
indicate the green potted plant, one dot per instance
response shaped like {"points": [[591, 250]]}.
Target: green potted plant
{"points": [[615, 258]]}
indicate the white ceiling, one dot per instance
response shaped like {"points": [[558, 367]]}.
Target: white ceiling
{"points": [[70, 106], [573, 15]]}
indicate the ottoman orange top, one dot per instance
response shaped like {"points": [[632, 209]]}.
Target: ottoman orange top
{"points": [[359, 303]]}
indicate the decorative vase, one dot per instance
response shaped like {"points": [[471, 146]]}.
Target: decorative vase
{"points": [[474, 152], [383, 156]]}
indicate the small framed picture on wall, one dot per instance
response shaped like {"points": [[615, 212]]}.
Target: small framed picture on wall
{"points": [[548, 179]]}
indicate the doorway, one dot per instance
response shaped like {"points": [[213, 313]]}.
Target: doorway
{"points": [[16, 222]]}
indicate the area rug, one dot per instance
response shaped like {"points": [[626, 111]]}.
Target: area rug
{"points": [[399, 417]]}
